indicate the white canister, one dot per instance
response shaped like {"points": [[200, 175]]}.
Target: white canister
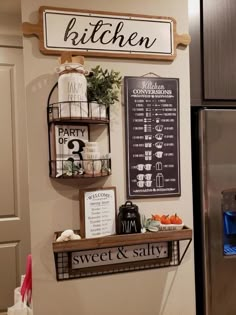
{"points": [[72, 89], [97, 110]]}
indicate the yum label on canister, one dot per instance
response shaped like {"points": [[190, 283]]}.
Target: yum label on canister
{"points": [[129, 219]]}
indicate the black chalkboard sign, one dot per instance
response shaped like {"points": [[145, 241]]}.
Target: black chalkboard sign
{"points": [[152, 137]]}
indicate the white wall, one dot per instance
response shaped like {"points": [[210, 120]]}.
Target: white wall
{"points": [[10, 29], [54, 204]]}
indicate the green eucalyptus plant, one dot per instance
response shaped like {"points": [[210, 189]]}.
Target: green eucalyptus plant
{"points": [[103, 86], [69, 168], [149, 224]]}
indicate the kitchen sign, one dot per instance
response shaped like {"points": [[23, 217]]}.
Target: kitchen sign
{"points": [[106, 34], [118, 255], [152, 137]]}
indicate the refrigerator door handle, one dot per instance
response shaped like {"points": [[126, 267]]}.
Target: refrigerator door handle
{"points": [[204, 206]]}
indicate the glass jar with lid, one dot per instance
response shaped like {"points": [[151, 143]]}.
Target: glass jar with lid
{"points": [[128, 219], [72, 89]]}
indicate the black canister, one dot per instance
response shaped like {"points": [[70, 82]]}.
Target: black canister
{"points": [[128, 219]]}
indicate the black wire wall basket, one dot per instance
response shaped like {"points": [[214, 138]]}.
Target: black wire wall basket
{"points": [[80, 168], [78, 111], [76, 114]]}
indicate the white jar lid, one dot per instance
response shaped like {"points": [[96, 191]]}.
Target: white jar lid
{"points": [[75, 59]]}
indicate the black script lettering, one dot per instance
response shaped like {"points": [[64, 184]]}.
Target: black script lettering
{"points": [[146, 40], [82, 39], [119, 27], [102, 32], [97, 27], [132, 36], [69, 34], [75, 34]]}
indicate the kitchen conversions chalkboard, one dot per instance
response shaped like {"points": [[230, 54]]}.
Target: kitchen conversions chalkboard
{"points": [[152, 137]]}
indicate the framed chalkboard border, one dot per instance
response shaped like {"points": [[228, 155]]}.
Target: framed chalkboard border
{"points": [[159, 79]]}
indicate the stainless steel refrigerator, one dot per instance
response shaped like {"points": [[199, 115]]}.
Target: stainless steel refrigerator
{"points": [[214, 204]]}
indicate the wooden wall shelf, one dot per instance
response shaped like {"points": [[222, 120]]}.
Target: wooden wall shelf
{"points": [[119, 253], [125, 239]]}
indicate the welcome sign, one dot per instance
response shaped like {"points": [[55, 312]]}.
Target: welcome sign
{"points": [[99, 33]]}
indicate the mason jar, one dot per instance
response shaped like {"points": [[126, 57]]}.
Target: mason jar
{"points": [[72, 89]]}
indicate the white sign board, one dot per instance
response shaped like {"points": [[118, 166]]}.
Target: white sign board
{"points": [[118, 255], [67, 142], [66, 30], [98, 212]]}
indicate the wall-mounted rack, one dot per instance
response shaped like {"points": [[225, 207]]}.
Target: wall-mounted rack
{"points": [[65, 157], [120, 253]]}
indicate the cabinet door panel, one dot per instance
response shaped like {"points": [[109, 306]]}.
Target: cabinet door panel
{"points": [[14, 196], [219, 49]]}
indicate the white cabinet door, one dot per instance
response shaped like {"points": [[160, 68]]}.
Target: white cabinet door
{"points": [[14, 204]]}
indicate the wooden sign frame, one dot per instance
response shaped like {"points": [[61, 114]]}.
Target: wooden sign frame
{"points": [[106, 34], [98, 212]]}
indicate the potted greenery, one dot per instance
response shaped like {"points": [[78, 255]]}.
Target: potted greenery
{"points": [[103, 90]]}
